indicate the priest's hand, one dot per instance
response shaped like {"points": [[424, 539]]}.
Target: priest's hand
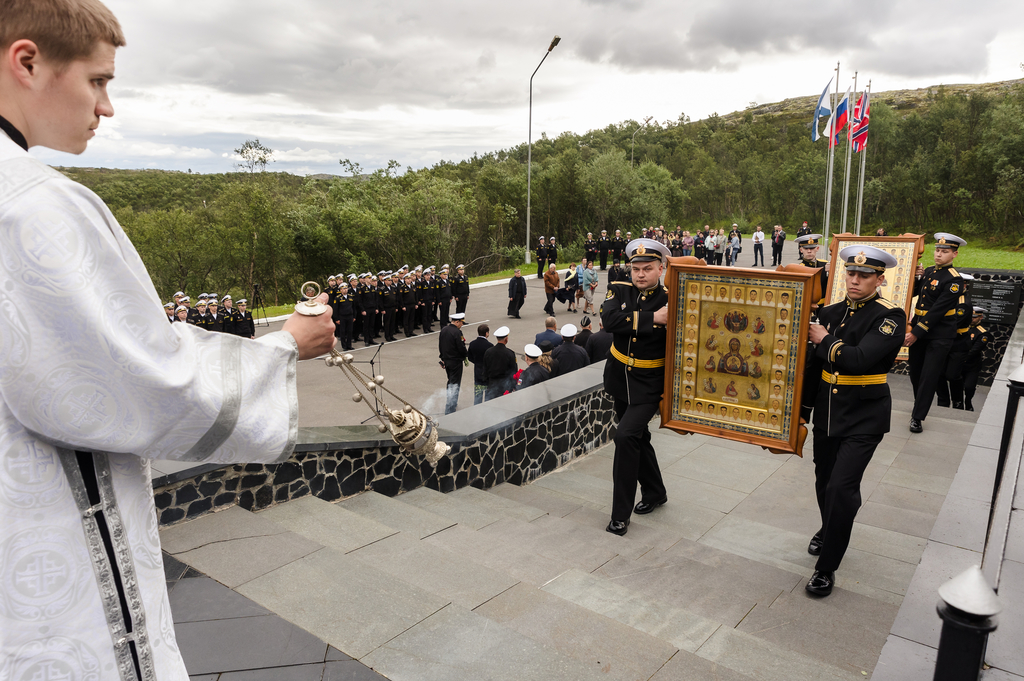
{"points": [[314, 335]]}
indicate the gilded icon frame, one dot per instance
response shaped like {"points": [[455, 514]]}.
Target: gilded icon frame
{"points": [[716, 382]]}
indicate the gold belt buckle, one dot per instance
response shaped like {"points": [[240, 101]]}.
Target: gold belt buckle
{"points": [[630, 361]]}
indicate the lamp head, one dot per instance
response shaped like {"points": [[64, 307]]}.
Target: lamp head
{"points": [[554, 41]]}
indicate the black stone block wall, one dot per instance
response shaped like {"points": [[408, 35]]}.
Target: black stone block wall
{"points": [[517, 453]]}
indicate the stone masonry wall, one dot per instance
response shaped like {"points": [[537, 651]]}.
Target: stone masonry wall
{"points": [[516, 453]]}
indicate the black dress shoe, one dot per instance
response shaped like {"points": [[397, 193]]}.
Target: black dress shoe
{"points": [[617, 527], [915, 426], [643, 508], [940, 404], [968, 406], [821, 583], [958, 405], [814, 547]]}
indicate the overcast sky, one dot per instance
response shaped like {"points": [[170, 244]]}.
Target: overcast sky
{"points": [[421, 82]]}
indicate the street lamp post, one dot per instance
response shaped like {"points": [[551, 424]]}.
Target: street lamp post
{"points": [[529, 146], [646, 121]]}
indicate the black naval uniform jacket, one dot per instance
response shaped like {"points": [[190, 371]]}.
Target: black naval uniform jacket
{"points": [[863, 341], [937, 294], [821, 265], [978, 338], [635, 370], [230, 316], [618, 246], [603, 244], [460, 286], [408, 296], [245, 326], [590, 249]]}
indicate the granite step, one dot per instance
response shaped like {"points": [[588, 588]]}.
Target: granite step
{"points": [[327, 524], [554, 503], [505, 507], [460, 508], [615, 649], [397, 515]]}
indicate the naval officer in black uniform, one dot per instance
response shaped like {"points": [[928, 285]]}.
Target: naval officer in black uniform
{"points": [[857, 342], [634, 375], [938, 289], [808, 245]]}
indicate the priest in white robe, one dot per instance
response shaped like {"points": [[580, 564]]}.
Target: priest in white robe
{"points": [[94, 383]]}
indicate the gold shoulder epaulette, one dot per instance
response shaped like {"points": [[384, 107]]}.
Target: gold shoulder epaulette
{"points": [[622, 283], [886, 303], [982, 329], [953, 272]]}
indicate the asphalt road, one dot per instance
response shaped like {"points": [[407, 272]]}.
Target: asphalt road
{"points": [[410, 365]]}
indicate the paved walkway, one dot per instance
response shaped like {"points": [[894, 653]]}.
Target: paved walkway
{"points": [[523, 582]]}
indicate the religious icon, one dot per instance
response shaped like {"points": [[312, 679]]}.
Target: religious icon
{"points": [[713, 322], [709, 386], [755, 348], [711, 343], [733, 362], [730, 389], [753, 393], [735, 321], [710, 364], [755, 370], [758, 325]]}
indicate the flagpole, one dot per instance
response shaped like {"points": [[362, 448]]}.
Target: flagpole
{"points": [[863, 163], [831, 160], [849, 154]]}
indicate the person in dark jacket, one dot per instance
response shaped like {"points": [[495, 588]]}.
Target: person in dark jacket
{"points": [[549, 333], [535, 372], [980, 338], [245, 326], [569, 356], [215, 318], [451, 347], [516, 294], [460, 288], [500, 365], [542, 258], [599, 344], [343, 315], [426, 297], [856, 341], [230, 314], [636, 314], [584, 333], [477, 349], [443, 289], [409, 305]]}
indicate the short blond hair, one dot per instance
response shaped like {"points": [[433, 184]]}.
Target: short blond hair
{"points": [[63, 30]]}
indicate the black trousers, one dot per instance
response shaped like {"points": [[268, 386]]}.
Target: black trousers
{"points": [[389, 321], [343, 332], [446, 310], [497, 388], [409, 321], [550, 307], [776, 253], [368, 326], [604, 260], [927, 365], [426, 317], [460, 304], [970, 384], [759, 250], [951, 385], [454, 370], [540, 268], [635, 460], [839, 464]]}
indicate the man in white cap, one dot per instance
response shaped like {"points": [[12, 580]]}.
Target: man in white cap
{"points": [[569, 356], [603, 245], [931, 337], [500, 365], [857, 342], [460, 288], [451, 347], [807, 246], [535, 372], [634, 375], [542, 257]]}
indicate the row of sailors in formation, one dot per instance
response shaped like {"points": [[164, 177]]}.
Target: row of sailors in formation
{"points": [[208, 314], [365, 305]]}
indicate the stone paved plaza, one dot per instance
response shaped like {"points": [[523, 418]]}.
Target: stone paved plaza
{"points": [[523, 582]]}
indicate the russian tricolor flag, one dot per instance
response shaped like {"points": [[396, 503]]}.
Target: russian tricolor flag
{"points": [[840, 118]]}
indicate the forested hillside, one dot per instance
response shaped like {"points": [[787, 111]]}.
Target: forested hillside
{"points": [[944, 158]]}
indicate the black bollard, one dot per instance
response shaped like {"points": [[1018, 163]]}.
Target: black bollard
{"points": [[967, 606]]}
